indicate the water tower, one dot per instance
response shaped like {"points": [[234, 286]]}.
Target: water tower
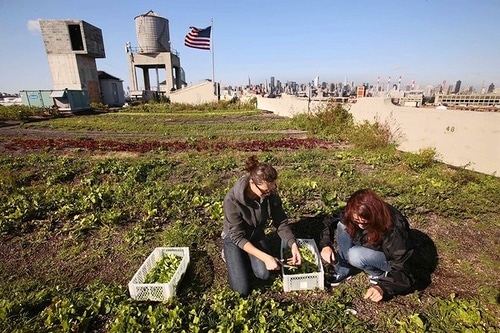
{"points": [[154, 53]]}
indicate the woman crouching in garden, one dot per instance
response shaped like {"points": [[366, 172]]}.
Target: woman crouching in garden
{"points": [[247, 206], [373, 237]]}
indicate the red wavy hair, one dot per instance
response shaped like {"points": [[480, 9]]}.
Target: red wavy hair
{"points": [[369, 206]]}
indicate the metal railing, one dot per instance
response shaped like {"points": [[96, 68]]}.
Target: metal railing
{"points": [[136, 49]]}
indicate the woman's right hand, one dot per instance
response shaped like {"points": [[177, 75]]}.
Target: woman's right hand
{"points": [[328, 255], [271, 263]]}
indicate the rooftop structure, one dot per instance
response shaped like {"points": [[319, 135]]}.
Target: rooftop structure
{"points": [[154, 53], [72, 47], [473, 100]]}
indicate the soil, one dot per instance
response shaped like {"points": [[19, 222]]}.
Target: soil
{"points": [[461, 271]]}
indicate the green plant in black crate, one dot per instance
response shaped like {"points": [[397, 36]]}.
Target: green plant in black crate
{"points": [[164, 269]]}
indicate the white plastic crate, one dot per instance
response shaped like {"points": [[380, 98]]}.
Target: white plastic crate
{"points": [[307, 281], [141, 291]]}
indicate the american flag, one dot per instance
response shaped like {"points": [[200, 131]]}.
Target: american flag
{"points": [[198, 38]]}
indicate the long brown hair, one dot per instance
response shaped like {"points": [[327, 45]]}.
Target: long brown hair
{"points": [[260, 171], [369, 206]]}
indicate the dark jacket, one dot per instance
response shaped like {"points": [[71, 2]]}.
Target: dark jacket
{"points": [[245, 219], [398, 248]]}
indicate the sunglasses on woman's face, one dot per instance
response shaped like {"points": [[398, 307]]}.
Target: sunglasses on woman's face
{"points": [[265, 192], [358, 219]]}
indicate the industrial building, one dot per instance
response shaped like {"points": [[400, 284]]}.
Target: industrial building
{"points": [[72, 48], [472, 100], [159, 66], [154, 53]]}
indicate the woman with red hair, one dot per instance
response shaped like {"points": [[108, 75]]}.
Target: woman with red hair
{"points": [[373, 237]]}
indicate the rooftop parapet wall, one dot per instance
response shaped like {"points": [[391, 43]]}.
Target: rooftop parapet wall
{"points": [[196, 94], [461, 138]]}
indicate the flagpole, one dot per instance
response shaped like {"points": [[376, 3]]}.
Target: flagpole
{"points": [[212, 48]]}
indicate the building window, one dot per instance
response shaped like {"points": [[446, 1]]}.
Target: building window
{"points": [[75, 35]]}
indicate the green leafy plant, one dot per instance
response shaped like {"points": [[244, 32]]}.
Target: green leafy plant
{"points": [[80, 212], [164, 269], [22, 112], [423, 159], [332, 121], [309, 263]]}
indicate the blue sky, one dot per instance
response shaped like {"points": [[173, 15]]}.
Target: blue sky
{"points": [[423, 40]]}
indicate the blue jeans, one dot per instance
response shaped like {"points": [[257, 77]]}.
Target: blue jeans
{"points": [[240, 265], [371, 261]]}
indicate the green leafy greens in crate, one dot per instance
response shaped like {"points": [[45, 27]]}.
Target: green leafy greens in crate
{"points": [[309, 263], [164, 269]]}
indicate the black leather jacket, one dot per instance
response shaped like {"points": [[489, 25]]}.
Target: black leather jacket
{"points": [[398, 248]]}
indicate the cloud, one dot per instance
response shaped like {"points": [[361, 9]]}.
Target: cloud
{"points": [[33, 26]]}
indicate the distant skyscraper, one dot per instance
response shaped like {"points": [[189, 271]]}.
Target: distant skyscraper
{"points": [[428, 90], [316, 82], [491, 88], [457, 87], [279, 88]]}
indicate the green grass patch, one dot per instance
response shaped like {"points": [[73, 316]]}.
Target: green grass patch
{"points": [[77, 223]]}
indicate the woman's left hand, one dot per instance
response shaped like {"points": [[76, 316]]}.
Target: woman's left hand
{"points": [[296, 258], [375, 294]]}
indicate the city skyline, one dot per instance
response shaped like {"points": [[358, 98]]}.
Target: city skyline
{"points": [[444, 86], [427, 42]]}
